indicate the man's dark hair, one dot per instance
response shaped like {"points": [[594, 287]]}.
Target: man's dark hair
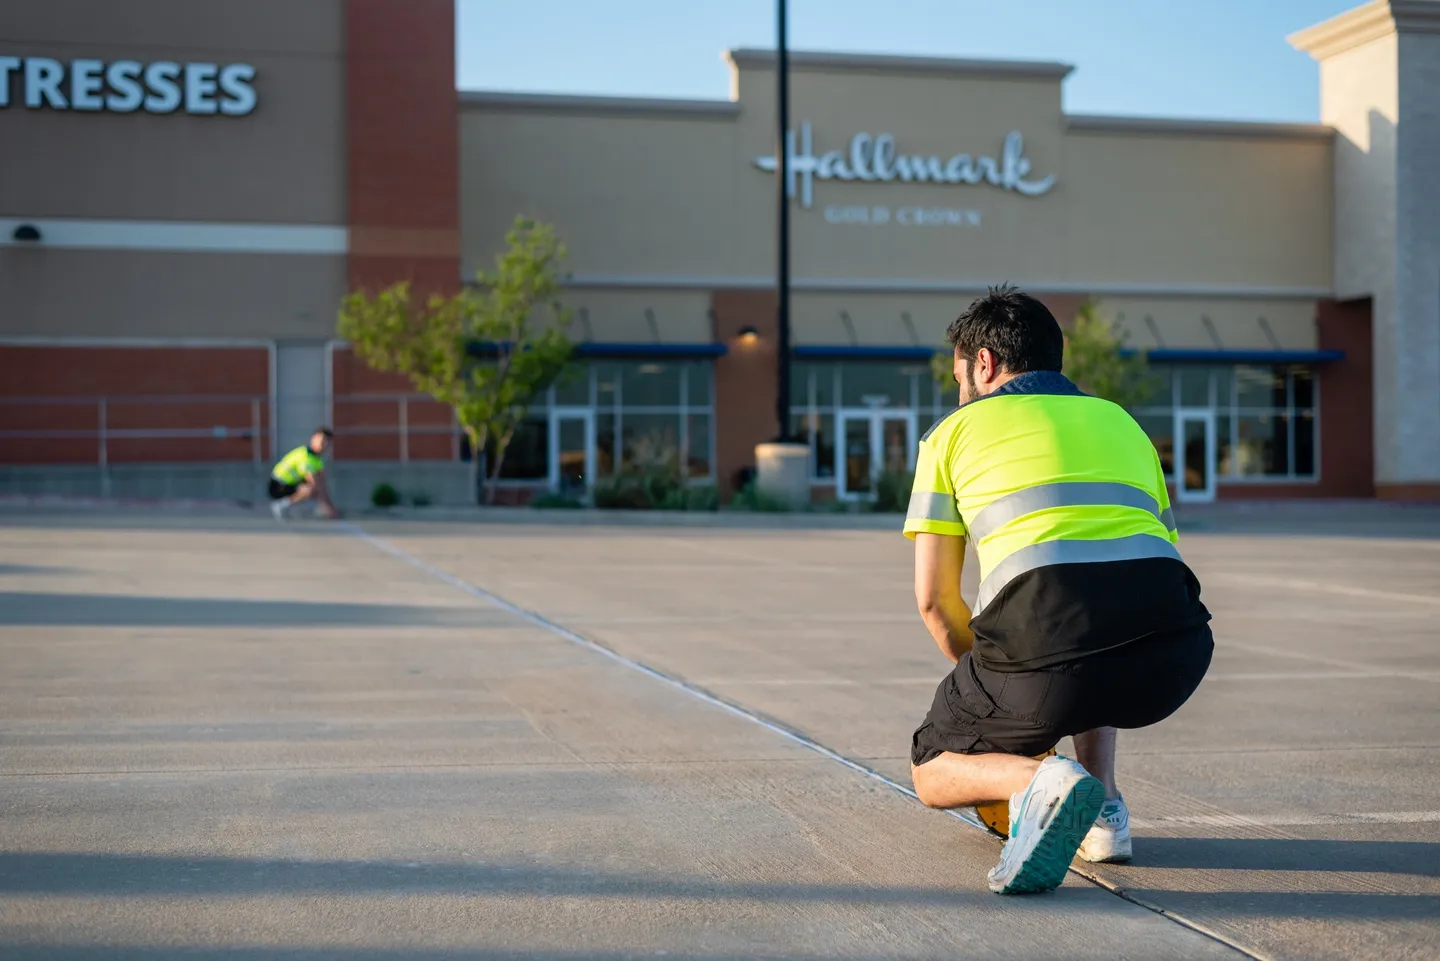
{"points": [[326, 431], [1018, 329]]}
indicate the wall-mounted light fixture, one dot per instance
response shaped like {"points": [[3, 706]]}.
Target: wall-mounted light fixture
{"points": [[26, 233], [748, 334]]}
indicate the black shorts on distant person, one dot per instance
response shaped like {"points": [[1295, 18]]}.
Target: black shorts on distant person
{"points": [[980, 711], [280, 490]]}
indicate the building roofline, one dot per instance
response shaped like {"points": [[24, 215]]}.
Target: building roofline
{"points": [[1365, 23], [888, 63], [1092, 123], [612, 106]]}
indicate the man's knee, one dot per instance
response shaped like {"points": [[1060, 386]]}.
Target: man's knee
{"points": [[921, 775]]}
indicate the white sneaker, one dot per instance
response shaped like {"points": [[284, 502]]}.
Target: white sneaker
{"points": [[1048, 820], [1109, 840], [280, 508]]}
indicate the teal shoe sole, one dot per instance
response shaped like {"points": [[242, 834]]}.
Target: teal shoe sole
{"points": [[1045, 868]]}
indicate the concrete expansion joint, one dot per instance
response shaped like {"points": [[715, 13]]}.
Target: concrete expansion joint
{"points": [[755, 717]]}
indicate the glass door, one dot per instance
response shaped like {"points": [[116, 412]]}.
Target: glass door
{"points": [[1194, 456], [871, 442], [572, 450]]}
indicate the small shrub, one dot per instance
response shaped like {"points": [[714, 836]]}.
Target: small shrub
{"points": [[892, 492], [384, 495], [751, 498], [704, 498], [621, 494], [552, 500]]}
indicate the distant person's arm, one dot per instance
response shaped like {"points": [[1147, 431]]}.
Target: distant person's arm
{"points": [[939, 559]]}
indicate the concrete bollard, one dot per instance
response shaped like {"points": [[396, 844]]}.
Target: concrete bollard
{"points": [[782, 471]]}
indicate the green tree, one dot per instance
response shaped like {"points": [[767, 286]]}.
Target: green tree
{"points": [[487, 351], [1095, 359]]}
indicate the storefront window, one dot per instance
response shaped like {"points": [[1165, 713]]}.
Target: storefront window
{"points": [[648, 415], [650, 385], [1262, 448], [649, 442], [871, 385], [906, 388], [698, 461], [1160, 428], [526, 456], [1265, 417], [572, 389]]}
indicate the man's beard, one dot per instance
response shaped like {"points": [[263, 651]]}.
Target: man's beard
{"points": [[968, 390]]}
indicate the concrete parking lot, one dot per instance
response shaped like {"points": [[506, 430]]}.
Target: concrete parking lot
{"points": [[561, 739]]}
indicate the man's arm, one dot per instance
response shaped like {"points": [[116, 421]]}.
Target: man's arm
{"points": [[939, 559]]}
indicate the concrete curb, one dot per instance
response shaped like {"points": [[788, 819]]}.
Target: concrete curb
{"points": [[113, 503]]}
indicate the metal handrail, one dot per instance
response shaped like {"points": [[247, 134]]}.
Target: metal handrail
{"points": [[257, 431]]}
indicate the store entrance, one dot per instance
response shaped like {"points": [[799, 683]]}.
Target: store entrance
{"points": [[572, 450], [872, 442], [1194, 455]]}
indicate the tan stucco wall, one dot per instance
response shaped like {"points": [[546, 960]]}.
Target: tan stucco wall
{"points": [[283, 163], [1360, 99], [619, 316], [1236, 322], [631, 194], [681, 199], [129, 293]]}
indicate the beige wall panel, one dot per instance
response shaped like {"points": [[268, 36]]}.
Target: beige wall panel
{"points": [[1181, 324], [631, 195], [1361, 100], [279, 26], [83, 293], [618, 316], [1197, 210], [877, 319], [283, 163], [682, 198]]}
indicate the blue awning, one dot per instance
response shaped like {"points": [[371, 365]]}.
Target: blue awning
{"points": [[1160, 356], [638, 351], [642, 350], [857, 352]]}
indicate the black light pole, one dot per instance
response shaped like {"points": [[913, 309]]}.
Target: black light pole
{"points": [[782, 176]]}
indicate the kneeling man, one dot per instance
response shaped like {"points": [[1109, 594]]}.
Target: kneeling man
{"points": [[300, 475], [1086, 618]]}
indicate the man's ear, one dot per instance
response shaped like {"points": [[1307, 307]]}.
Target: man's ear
{"points": [[984, 365]]}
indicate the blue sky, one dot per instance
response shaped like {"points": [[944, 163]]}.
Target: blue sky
{"points": [[1224, 59]]}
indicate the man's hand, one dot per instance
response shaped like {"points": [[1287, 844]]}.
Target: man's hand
{"points": [[939, 559]]}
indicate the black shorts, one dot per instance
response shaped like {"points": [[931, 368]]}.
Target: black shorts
{"points": [[279, 489], [979, 711]]}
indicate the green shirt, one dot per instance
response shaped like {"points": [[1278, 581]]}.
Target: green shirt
{"points": [[300, 463]]}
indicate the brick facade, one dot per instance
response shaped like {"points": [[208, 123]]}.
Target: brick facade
{"points": [[216, 396]]}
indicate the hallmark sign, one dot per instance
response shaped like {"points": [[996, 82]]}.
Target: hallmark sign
{"points": [[875, 159]]}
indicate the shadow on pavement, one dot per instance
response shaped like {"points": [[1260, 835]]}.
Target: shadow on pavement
{"points": [[33, 569], [1420, 858], [68, 874], [19, 609], [170, 952]]}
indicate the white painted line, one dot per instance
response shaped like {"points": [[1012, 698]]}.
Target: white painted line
{"points": [[1321, 587], [1292, 819], [1344, 665]]}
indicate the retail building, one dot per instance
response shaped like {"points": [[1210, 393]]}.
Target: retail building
{"points": [[197, 184]]}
